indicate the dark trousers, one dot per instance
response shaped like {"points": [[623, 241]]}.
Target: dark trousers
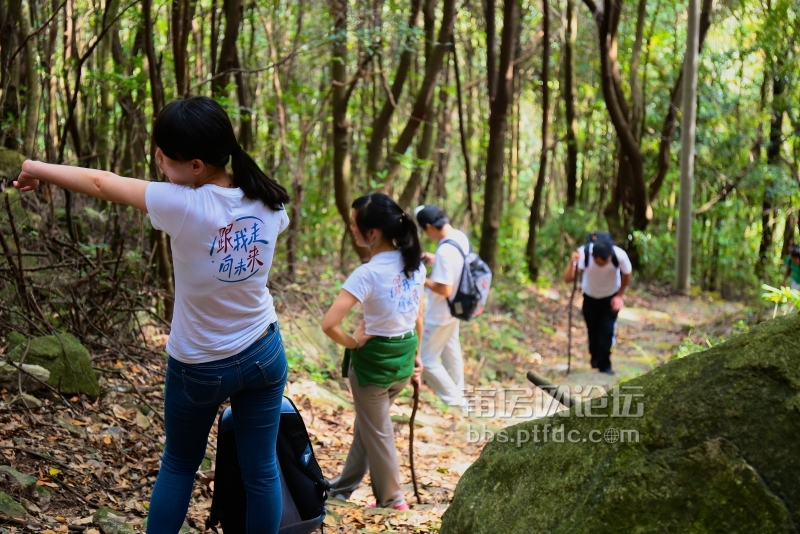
{"points": [[600, 322]]}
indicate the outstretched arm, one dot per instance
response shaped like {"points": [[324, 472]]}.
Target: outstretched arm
{"points": [[99, 184]]}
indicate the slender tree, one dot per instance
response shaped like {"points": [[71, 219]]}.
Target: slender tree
{"points": [[774, 161], [569, 102], [687, 149], [380, 126], [498, 122], [422, 104], [536, 205], [33, 90]]}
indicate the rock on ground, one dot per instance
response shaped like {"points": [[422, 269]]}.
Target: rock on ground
{"points": [[68, 362], [111, 522], [23, 480], [11, 508], [716, 451], [11, 378]]}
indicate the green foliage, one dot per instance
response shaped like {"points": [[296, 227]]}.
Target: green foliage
{"points": [[689, 346], [783, 297], [495, 344], [317, 370]]}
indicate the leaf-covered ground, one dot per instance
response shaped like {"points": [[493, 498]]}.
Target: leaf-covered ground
{"points": [[105, 452]]}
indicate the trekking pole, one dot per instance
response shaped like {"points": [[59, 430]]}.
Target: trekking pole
{"points": [[569, 328], [411, 440]]}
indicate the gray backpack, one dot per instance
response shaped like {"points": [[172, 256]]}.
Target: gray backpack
{"points": [[473, 289]]}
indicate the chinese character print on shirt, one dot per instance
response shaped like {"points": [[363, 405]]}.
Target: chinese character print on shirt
{"points": [[406, 292], [234, 250]]}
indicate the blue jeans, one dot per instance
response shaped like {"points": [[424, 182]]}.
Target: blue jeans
{"points": [[254, 380]]}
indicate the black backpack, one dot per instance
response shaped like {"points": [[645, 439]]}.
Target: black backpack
{"points": [[303, 487], [473, 289], [597, 237]]}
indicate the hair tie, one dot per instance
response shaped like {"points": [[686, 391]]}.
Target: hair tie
{"points": [[238, 150]]}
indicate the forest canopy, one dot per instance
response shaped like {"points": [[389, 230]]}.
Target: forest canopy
{"points": [[531, 123]]}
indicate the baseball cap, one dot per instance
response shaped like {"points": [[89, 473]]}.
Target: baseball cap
{"points": [[430, 214]]}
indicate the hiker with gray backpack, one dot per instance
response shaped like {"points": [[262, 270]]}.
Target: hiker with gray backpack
{"points": [[606, 273], [457, 290]]}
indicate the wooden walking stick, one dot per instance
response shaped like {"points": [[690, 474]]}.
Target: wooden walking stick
{"points": [[411, 440]]}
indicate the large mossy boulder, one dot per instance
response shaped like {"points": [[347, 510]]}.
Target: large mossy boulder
{"points": [[717, 451], [68, 361]]}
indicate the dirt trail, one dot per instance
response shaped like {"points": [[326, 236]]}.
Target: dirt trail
{"points": [[650, 331]]}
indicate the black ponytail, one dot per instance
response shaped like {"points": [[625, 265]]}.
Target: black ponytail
{"points": [[255, 183], [198, 128], [379, 211]]}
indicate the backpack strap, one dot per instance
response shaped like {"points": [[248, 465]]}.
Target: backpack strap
{"points": [[461, 250], [452, 242]]}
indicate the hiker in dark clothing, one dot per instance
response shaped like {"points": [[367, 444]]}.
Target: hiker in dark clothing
{"points": [[603, 285]]}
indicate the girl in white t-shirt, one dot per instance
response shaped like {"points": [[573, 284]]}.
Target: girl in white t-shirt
{"points": [[225, 342], [382, 355]]}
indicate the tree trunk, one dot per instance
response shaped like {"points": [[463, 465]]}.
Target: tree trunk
{"points": [[106, 66], [341, 124], [569, 103], [425, 144], [10, 75], [635, 81], [214, 41], [380, 126], [516, 103], [51, 124], [688, 125], [619, 113], [773, 159], [245, 119], [182, 15], [471, 210], [34, 91], [671, 118], [158, 238], [422, 104], [788, 233], [156, 87], [533, 221], [495, 160], [490, 10], [234, 13]]}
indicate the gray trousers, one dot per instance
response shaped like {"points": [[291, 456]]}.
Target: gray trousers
{"points": [[373, 446]]}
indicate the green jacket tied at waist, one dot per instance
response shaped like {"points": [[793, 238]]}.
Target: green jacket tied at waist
{"points": [[383, 361]]}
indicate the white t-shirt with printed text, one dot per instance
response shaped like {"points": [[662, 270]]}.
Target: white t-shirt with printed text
{"points": [[446, 270], [390, 300], [601, 282], [222, 249]]}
